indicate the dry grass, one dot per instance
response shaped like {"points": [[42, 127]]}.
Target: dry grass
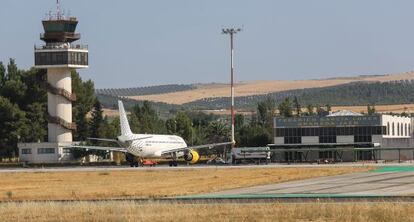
{"points": [[130, 211], [148, 183], [260, 87], [397, 108]]}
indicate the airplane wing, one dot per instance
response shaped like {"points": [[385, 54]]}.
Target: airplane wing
{"points": [[117, 149], [103, 139], [195, 147]]}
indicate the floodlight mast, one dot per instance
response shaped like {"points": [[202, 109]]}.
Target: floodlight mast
{"points": [[231, 32]]}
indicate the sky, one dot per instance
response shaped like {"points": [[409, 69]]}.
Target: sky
{"points": [[140, 43]]}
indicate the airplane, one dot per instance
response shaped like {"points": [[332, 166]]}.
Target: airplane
{"points": [[149, 146]]}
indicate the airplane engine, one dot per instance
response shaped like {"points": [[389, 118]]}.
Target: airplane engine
{"points": [[192, 156]]}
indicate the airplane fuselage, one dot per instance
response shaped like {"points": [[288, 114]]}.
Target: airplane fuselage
{"points": [[153, 145]]}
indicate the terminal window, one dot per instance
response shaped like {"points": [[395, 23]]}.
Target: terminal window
{"points": [[66, 150], [27, 151], [45, 150]]}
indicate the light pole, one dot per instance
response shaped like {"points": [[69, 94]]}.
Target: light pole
{"points": [[231, 32]]}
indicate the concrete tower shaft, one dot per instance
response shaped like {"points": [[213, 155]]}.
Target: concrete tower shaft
{"points": [[59, 106]]}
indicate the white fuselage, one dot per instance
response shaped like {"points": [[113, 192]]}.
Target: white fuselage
{"points": [[153, 145]]}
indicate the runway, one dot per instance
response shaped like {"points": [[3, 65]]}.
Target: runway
{"points": [[182, 167], [382, 182], [391, 183]]}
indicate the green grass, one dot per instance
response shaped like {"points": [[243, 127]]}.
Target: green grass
{"points": [[394, 169]]}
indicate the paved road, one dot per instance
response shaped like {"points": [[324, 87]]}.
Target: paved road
{"points": [[368, 183], [184, 167]]}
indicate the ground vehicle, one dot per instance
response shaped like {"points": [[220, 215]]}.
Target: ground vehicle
{"points": [[216, 161], [250, 154], [150, 163]]}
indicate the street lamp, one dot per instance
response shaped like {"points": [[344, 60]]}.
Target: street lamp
{"points": [[231, 32]]}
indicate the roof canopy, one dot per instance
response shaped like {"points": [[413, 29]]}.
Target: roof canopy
{"points": [[345, 113]]}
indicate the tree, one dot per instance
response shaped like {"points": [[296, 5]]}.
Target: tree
{"points": [[238, 121], [184, 126], [265, 111], [320, 111], [144, 119], [285, 108], [35, 80], [12, 70], [328, 107], [253, 137], [37, 124], [371, 110], [96, 123], [85, 98], [82, 130], [13, 126], [171, 126], [217, 132], [14, 90], [309, 109], [2, 74], [297, 106]]}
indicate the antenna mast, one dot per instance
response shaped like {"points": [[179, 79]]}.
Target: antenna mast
{"points": [[58, 12]]}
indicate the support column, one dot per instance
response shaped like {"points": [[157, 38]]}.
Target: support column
{"points": [[59, 107]]}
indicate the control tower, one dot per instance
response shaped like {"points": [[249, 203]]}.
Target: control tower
{"points": [[59, 55]]}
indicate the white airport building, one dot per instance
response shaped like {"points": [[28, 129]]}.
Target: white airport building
{"points": [[343, 136]]}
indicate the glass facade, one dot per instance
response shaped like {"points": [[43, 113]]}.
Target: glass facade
{"points": [[60, 26], [329, 134], [61, 58]]}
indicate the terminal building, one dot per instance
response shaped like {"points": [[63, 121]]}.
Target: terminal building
{"points": [[343, 136]]}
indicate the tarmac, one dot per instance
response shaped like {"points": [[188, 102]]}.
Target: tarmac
{"points": [[386, 181], [391, 183], [79, 168], [182, 167]]}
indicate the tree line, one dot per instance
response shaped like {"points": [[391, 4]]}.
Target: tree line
{"points": [[23, 116]]}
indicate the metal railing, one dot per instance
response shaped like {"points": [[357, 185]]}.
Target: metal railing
{"points": [[62, 92], [61, 46], [61, 122]]}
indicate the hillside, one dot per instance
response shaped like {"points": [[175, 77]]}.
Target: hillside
{"points": [[202, 91], [350, 94], [147, 90]]}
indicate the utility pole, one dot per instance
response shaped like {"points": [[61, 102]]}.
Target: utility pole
{"points": [[231, 32]]}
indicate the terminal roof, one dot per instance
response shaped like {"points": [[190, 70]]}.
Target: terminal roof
{"points": [[345, 113]]}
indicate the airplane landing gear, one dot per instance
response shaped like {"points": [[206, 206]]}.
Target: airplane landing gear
{"points": [[133, 160], [173, 162]]}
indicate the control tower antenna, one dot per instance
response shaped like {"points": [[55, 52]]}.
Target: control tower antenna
{"points": [[58, 11]]}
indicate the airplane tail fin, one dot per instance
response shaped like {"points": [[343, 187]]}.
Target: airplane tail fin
{"points": [[125, 129]]}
